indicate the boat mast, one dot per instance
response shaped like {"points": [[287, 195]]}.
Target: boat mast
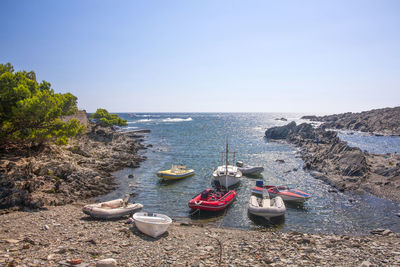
{"points": [[226, 158], [226, 164]]}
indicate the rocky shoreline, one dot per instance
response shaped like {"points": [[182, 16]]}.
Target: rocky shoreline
{"points": [[61, 175], [346, 168], [54, 236], [385, 121]]}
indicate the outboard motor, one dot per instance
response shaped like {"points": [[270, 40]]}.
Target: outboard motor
{"points": [[217, 185], [260, 183], [204, 195], [239, 163]]}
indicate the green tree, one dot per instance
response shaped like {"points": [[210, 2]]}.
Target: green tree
{"points": [[30, 112], [104, 118]]}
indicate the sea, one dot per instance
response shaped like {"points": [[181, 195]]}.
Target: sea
{"points": [[196, 140]]}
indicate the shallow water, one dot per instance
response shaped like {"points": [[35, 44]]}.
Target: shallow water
{"points": [[196, 139]]}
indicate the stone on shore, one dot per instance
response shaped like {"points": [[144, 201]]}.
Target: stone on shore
{"points": [[106, 263]]}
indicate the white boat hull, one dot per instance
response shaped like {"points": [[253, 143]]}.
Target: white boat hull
{"points": [[269, 207], [232, 178], [152, 224], [251, 170], [290, 198], [227, 181]]}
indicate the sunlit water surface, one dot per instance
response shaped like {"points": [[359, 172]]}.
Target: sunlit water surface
{"points": [[195, 139]]}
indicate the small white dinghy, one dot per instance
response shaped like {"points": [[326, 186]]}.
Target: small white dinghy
{"points": [[112, 209], [249, 170], [152, 224], [266, 207]]}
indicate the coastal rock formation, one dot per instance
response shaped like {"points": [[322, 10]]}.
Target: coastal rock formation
{"points": [[347, 168], [385, 121], [60, 175], [72, 235]]}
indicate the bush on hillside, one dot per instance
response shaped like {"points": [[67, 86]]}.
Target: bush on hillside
{"points": [[30, 112], [104, 118]]}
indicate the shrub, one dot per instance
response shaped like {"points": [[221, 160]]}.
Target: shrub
{"points": [[30, 111], [104, 118]]}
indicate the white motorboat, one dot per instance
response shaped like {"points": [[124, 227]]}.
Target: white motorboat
{"points": [[112, 209], [266, 207], [227, 178], [152, 224], [249, 170], [227, 175]]}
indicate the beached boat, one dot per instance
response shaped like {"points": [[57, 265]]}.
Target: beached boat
{"points": [[176, 172], [287, 194], [265, 207], [249, 170], [212, 200], [227, 175], [112, 209], [152, 224]]}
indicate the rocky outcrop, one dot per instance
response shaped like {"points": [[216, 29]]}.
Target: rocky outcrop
{"points": [[345, 167], [60, 175], [385, 121], [81, 116]]}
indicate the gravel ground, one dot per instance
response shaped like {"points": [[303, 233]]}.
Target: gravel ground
{"points": [[54, 236]]}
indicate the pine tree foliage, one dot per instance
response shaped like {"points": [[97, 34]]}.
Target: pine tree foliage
{"points": [[104, 118], [30, 112]]}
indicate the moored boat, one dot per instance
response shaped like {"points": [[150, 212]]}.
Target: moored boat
{"points": [[266, 207], [249, 170], [176, 172], [227, 175], [212, 200], [287, 194], [112, 209], [152, 224]]}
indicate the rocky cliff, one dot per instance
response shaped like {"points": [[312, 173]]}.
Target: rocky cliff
{"points": [[345, 167], [385, 121], [58, 175]]}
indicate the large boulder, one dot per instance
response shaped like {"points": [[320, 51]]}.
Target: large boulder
{"points": [[281, 132]]}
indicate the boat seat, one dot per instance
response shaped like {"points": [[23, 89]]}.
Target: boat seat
{"points": [[266, 202], [253, 201]]}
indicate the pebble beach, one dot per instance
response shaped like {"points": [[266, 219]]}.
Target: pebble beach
{"points": [[54, 236]]}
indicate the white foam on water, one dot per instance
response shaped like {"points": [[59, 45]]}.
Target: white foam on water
{"points": [[176, 119], [148, 115]]}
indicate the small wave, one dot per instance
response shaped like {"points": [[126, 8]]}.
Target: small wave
{"points": [[144, 120], [176, 119], [148, 115], [127, 129]]}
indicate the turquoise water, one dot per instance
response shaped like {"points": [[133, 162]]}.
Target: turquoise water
{"points": [[195, 139]]}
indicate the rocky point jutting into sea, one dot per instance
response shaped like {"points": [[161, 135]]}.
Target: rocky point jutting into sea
{"points": [[385, 121], [345, 167], [57, 175]]}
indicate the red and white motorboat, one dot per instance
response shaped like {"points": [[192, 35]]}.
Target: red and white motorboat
{"points": [[212, 200], [286, 193]]}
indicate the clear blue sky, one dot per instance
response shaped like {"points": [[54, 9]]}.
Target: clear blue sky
{"points": [[183, 56]]}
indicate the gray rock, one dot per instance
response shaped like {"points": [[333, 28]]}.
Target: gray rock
{"points": [[106, 263]]}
